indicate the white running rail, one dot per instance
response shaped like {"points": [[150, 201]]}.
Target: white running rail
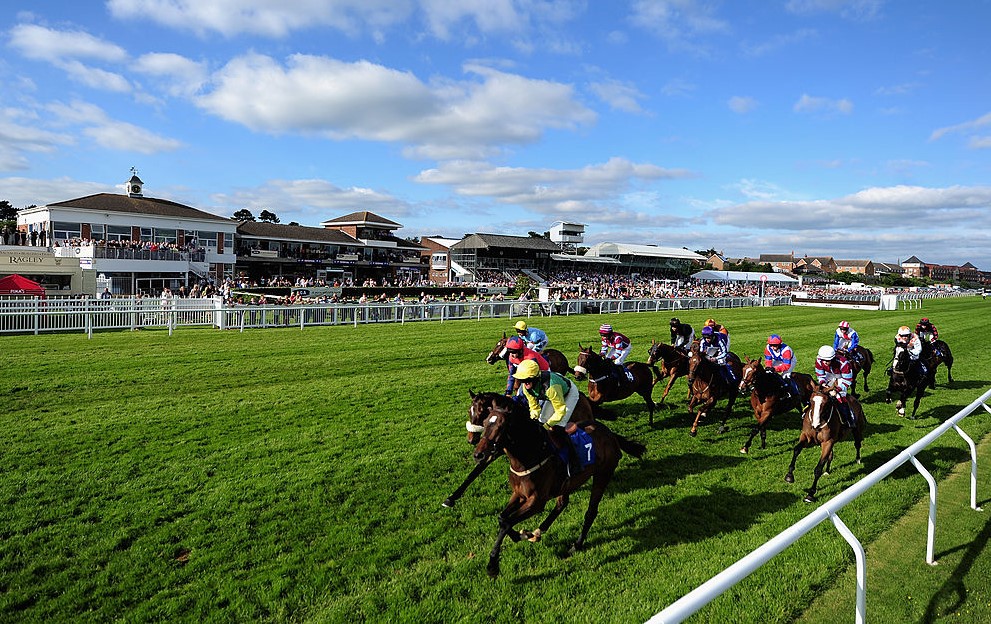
{"points": [[717, 585]]}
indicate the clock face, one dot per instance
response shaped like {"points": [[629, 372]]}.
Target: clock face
{"points": [[135, 188]]}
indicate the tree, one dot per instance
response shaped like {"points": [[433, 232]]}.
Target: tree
{"points": [[268, 217], [243, 215], [296, 223], [7, 212]]}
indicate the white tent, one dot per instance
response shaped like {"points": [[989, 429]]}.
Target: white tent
{"points": [[777, 279]]}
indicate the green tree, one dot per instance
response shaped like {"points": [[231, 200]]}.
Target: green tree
{"points": [[7, 212], [268, 217], [243, 215]]}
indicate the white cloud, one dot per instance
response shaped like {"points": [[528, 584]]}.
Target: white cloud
{"points": [[22, 192], [95, 77], [967, 127], [309, 201], [45, 44], [19, 134], [742, 104], [618, 95], [603, 193], [849, 9], [679, 23], [324, 96], [780, 41], [110, 133], [183, 76], [810, 104], [678, 87]]}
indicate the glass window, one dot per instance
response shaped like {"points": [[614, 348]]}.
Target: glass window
{"points": [[206, 239], [163, 235], [229, 242], [63, 230], [96, 231], [146, 234], [118, 232]]}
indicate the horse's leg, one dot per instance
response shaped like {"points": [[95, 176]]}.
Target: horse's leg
{"points": [[757, 428], [599, 483], [827, 453], [918, 399], [858, 439], [562, 502], [671, 379], [867, 371], [505, 528], [646, 394], [723, 428], [493, 568], [802, 443], [477, 470]]}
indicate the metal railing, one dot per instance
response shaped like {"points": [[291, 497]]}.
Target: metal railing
{"points": [[717, 585]]}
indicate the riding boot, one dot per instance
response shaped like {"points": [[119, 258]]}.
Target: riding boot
{"points": [[562, 441]]}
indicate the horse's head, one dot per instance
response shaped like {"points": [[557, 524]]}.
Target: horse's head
{"points": [[587, 359], [499, 351], [653, 352], [820, 405], [493, 432], [748, 378], [901, 360], [481, 404]]}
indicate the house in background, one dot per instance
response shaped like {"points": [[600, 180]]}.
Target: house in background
{"points": [[888, 268], [857, 267], [914, 267], [815, 265], [779, 262]]}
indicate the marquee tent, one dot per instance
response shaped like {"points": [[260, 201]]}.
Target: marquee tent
{"points": [[20, 285], [744, 276]]}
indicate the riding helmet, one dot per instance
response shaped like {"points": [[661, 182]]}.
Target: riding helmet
{"points": [[521, 326], [528, 369], [605, 328], [904, 331], [844, 325], [774, 339], [514, 344], [707, 330], [675, 322], [826, 352]]}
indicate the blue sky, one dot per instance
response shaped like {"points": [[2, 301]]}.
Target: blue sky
{"points": [[851, 128]]}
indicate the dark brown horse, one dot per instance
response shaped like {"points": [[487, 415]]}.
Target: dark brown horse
{"points": [[822, 426], [708, 386], [673, 364], [483, 403], [864, 362], [905, 381], [537, 474], [940, 354], [603, 387], [764, 386]]}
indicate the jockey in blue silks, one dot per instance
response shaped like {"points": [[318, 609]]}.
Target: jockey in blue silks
{"points": [[715, 349], [846, 339], [534, 338]]}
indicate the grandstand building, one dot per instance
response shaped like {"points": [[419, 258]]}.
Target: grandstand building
{"points": [[647, 259], [498, 256]]}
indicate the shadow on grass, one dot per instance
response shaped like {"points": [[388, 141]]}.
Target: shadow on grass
{"points": [[953, 593], [667, 470], [928, 457]]}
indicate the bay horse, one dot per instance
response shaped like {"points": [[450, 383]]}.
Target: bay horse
{"points": [[940, 354], [537, 474], [481, 404], [708, 386], [864, 363], [603, 387], [764, 386], [823, 427], [905, 380], [673, 364]]}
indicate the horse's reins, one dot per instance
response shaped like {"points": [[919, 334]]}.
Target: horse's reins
{"points": [[531, 470]]}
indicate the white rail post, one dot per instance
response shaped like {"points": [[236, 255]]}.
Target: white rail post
{"points": [[860, 556], [931, 539], [973, 467]]}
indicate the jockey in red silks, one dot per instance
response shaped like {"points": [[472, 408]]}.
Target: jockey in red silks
{"points": [[781, 359], [517, 351], [835, 371], [615, 346]]}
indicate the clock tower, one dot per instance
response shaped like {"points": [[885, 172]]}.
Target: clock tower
{"points": [[134, 185]]}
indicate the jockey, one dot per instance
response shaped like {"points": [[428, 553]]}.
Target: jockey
{"points": [[914, 345], [535, 338], [716, 327], [926, 330], [682, 335], [517, 352], [615, 346], [781, 359], [847, 340], [713, 346], [551, 398], [834, 370]]}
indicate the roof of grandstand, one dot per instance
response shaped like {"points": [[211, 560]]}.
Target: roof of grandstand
{"points": [[489, 241], [626, 249], [584, 259], [742, 276]]}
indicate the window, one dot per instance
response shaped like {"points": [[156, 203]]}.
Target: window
{"points": [[163, 235], [206, 239], [229, 242], [63, 230], [118, 232], [146, 234], [96, 231]]}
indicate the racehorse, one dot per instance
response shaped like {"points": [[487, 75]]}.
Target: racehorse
{"points": [[940, 353], [864, 363], [905, 380], [481, 404], [537, 473], [674, 364], [764, 387], [557, 361], [708, 386], [822, 426], [603, 387]]}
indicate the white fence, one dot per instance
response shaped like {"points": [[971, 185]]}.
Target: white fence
{"points": [[38, 316], [717, 585]]}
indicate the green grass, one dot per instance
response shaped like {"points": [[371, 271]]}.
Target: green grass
{"points": [[287, 475]]}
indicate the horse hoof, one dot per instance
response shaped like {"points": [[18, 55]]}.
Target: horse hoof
{"points": [[722, 429], [825, 473], [693, 433], [447, 503], [744, 450], [809, 498], [789, 478], [532, 537], [493, 569]]}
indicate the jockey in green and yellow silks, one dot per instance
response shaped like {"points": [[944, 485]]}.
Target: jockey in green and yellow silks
{"points": [[540, 387]]}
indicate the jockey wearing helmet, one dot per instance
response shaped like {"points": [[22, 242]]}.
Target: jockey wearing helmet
{"points": [[926, 330], [716, 327], [535, 338], [847, 340], [682, 335], [551, 398], [713, 346], [516, 353], [615, 346], [833, 370], [780, 358], [915, 346]]}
